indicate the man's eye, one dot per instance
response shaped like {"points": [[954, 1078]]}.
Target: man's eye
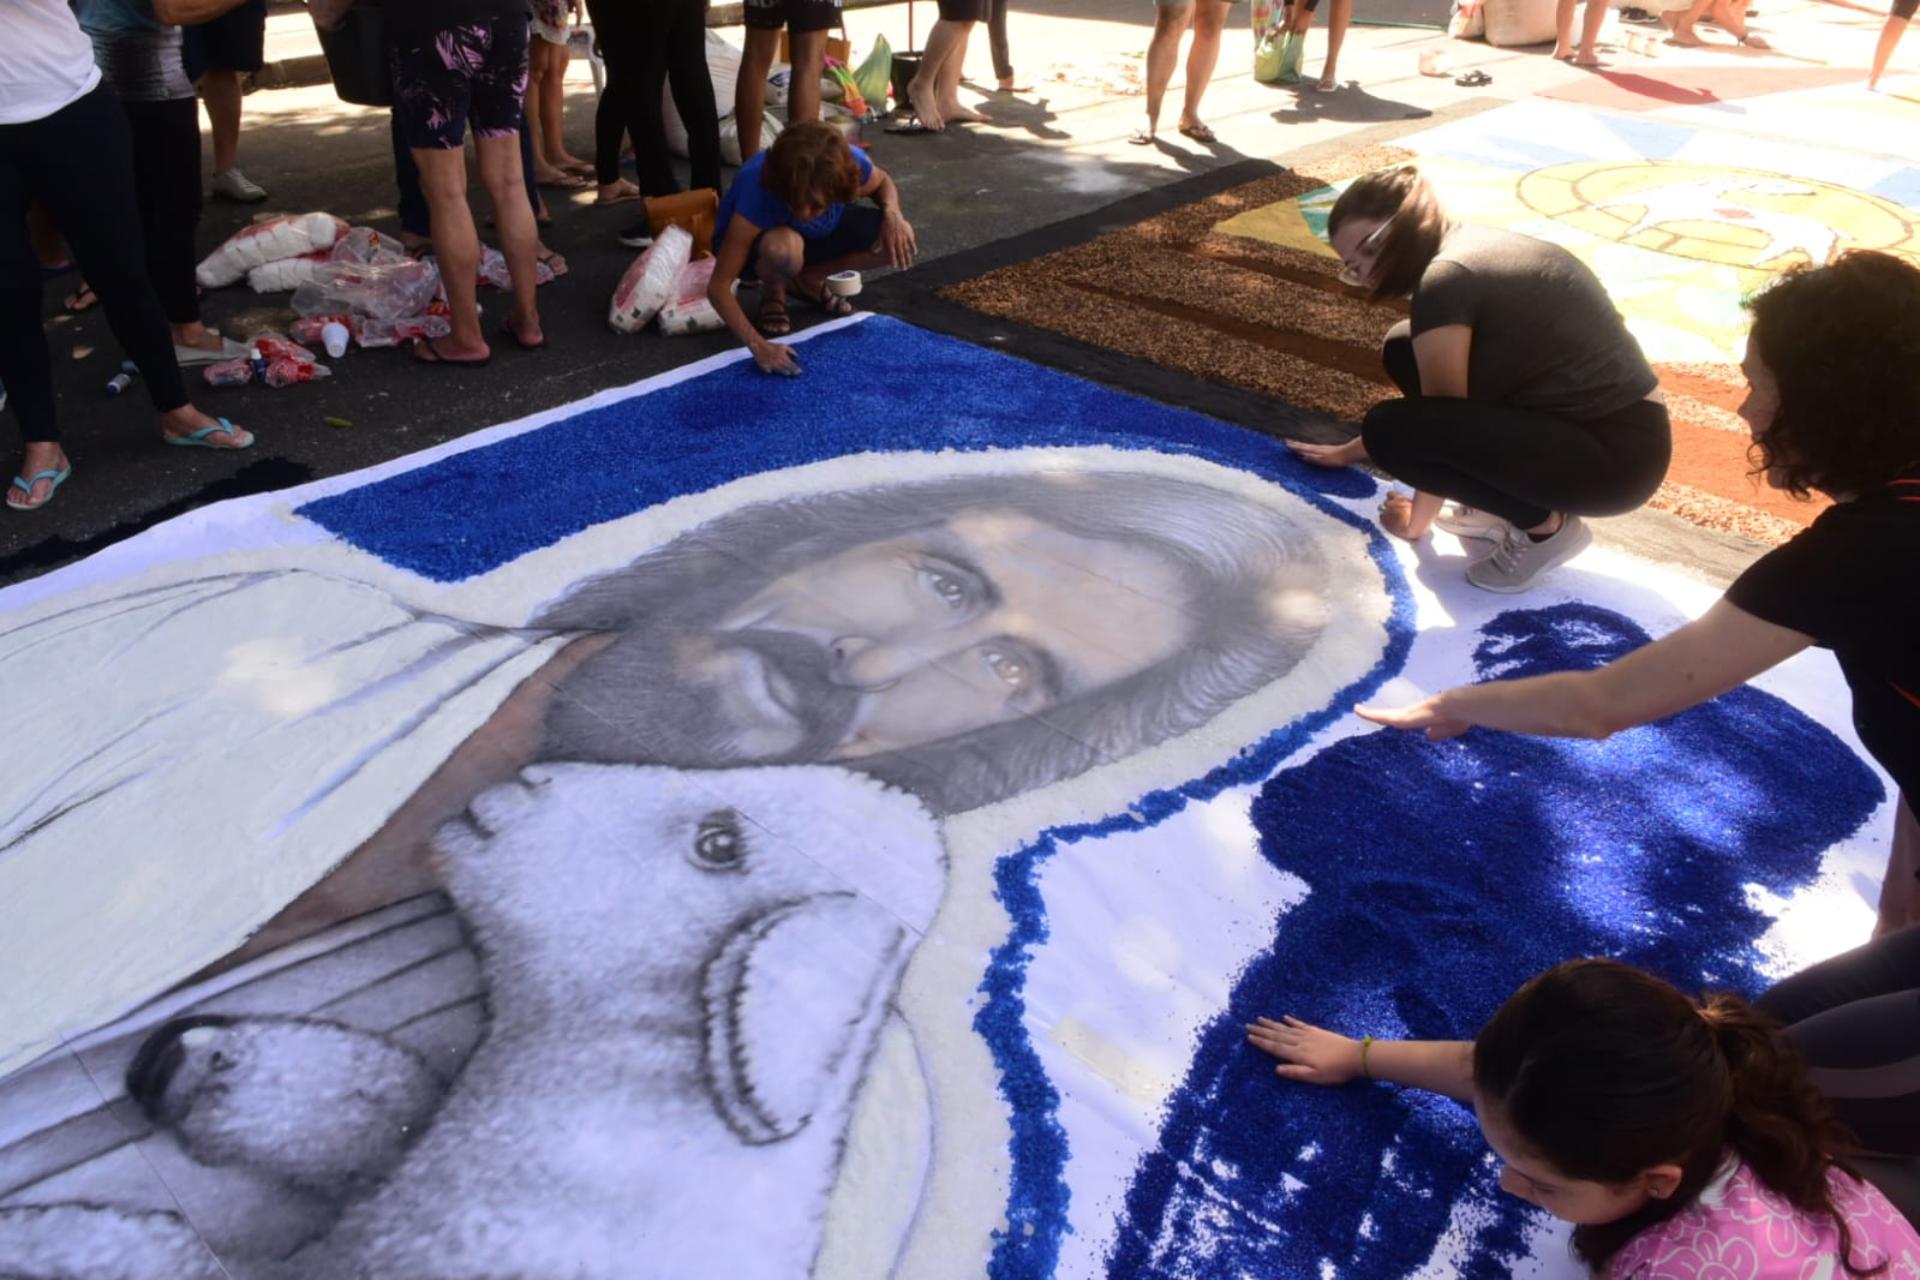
{"points": [[1010, 667], [950, 589]]}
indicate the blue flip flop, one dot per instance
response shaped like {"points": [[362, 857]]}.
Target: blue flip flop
{"points": [[198, 439], [25, 485]]}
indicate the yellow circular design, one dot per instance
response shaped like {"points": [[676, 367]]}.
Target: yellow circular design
{"points": [[1713, 213]]}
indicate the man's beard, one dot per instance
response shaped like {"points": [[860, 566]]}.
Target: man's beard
{"points": [[628, 704]]}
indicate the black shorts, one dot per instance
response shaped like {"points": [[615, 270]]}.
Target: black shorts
{"points": [[1905, 9], [475, 72], [964, 10], [797, 16], [234, 41], [859, 231]]}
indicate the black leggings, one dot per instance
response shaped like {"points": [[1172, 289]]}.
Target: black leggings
{"points": [[648, 46], [1519, 464], [166, 177], [78, 162], [1856, 1017]]}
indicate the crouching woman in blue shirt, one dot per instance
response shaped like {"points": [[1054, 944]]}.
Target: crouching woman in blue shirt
{"points": [[789, 221]]}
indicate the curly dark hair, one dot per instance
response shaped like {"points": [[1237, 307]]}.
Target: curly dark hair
{"points": [[1606, 1071], [1843, 343]]}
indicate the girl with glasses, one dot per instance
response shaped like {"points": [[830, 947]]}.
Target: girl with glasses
{"points": [[1525, 400]]}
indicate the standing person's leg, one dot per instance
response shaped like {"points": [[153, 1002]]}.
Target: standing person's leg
{"points": [[616, 24], [433, 93], [1896, 26], [1209, 19], [951, 71], [924, 92], [1170, 21], [1338, 20], [649, 123], [78, 162], [1002, 55], [553, 110], [809, 50], [762, 43], [416, 224], [166, 152], [499, 90], [692, 82], [234, 46], [538, 71]]}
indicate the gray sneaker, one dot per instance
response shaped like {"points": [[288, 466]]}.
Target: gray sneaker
{"points": [[1518, 560], [1463, 521]]}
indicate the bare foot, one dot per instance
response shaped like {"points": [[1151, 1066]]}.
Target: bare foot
{"points": [[1008, 86], [618, 191], [1587, 60], [924, 106], [447, 351], [574, 164], [1143, 135], [198, 337], [950, 111], [1562, 54]]}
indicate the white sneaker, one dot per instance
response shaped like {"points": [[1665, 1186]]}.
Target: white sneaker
{"points": [[1463, 521], [231, 184], [1518, 560]]}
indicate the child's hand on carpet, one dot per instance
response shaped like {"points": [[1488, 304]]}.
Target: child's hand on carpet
{"points": [[1306, 1052], [1425, 714], [1329, 455], [776, 357]]}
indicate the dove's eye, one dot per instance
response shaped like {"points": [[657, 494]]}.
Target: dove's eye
{"points": [[718, 844]]}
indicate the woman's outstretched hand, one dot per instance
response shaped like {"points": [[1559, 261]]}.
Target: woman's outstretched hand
{"points": [[1306, 1052], [1425, 715], [1329, 455]]}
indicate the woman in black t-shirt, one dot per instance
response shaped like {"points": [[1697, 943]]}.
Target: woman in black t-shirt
{"points": [[1526, 399], [1833, 370]]}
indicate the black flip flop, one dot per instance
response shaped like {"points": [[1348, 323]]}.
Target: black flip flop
{"points": [[1473, 79]]}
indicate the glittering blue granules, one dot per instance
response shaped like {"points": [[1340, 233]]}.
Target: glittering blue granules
{"points": [[1442, 876], [879, 386]]}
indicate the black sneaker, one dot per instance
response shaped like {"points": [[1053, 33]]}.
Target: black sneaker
{"points": [[637, 236]]}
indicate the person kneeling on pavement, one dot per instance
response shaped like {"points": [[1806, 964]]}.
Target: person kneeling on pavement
{"points": [[789, 221]]}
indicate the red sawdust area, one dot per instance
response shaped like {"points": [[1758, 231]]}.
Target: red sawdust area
{"points": [[1173, 290], [1694, 85]]}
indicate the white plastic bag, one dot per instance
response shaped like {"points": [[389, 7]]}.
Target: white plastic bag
{"points": [[290, 237], [288, 273], [730, 136], [688, 310], [649, 282]]}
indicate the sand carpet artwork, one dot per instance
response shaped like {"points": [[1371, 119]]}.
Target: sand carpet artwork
{"points": [[720, 829], [1681, 223]]}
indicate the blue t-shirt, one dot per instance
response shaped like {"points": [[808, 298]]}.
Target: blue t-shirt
{"points": [[117, 17], [753, 202]]}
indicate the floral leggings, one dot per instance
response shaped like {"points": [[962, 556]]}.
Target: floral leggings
{"points": [[474, 73]]}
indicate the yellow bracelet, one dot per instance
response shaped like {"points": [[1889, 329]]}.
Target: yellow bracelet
{"points": [[1366, 1043]]}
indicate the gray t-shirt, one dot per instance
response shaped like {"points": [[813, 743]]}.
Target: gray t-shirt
{"points": [[139, 55], [1545, 334]]}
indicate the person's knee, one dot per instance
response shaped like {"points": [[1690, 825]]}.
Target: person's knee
{"points": [[782, 253], [1385, 428], [1210, 18], [444, 181], [1171, 19]]}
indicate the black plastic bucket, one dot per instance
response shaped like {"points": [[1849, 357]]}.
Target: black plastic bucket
{"points": [[357, 57], [905, 67]]}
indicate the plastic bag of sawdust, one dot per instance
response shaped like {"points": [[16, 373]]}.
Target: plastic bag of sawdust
{"points": [[688, 310], [290, 237], [649, 282]]}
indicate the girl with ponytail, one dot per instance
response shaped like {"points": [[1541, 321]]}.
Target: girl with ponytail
{"points": [[1670, 1133]]}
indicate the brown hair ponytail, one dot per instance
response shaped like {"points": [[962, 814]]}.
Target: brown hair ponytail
{"points": [[1606, 1072]]}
